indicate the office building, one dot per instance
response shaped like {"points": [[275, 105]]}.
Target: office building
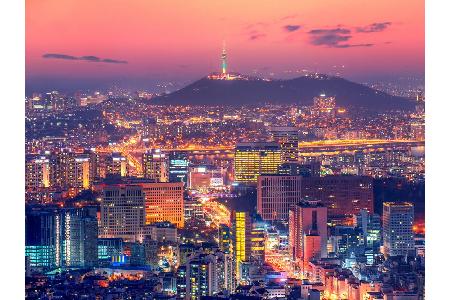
{"points": [[398, 236], [307, 232], [342, 194], [287, 137], [156, 165], [178, 166], [61, 237], [254, 159], [79, 237], [241, 228], [257, 245], [42, 246], [370, 224], [122, 212], [164, 202], [276, 194]]}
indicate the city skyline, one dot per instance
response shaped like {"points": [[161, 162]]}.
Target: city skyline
{"points": [[224, 150]]}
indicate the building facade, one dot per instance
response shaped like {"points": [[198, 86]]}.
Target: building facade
{"points": [[276, 194], [398, 235], [254, 159]]}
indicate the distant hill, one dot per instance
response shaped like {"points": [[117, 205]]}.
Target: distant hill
{"points": [[299, 90]]}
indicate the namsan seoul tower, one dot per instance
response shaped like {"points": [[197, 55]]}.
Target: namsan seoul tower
{"points": [[224, 60]]}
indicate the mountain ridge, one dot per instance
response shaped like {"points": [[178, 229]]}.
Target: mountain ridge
{"points": [[300, 90]]}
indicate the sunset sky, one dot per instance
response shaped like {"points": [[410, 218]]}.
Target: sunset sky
{"points": [[81, 42]]}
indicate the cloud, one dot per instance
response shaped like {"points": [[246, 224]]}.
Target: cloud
{"points": [[59, 56], [291, 28], [336, 31], [330, 37], [334, 38], [114, 61], [256, 36], [353, 45], [89, 58], [374, 27]]}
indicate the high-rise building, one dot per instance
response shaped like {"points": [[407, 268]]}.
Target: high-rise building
{"points": [[398, 236], [116, 164], [307, 232], [287, 137], [64, 237], [254, 159], [79, 237], [225, 238], [178, 166], [276, 194], [37, 172], [42, 246], [370, 224], [156, 165], [208, 273], [79, 173], [342, 194], [241, 228], [122, 212], [201, 276], [257, 245], [164, 202]]}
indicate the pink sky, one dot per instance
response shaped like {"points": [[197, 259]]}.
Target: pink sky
{"points": [[183, 39]]}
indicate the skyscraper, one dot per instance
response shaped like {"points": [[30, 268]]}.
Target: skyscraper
{"points": [[61, 237], [41, 243], [254, 159], [307, 232], [122, 211], [178, 166], [398, 236], [287, 137], [164, 202], [241, 227], [201, 276], [156, 165], [79, 237], [276, 194]]}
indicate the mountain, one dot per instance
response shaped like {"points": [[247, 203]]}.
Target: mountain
{"points": [[299, 90]]}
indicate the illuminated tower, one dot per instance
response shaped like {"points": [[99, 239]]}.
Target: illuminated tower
{"points": [[224, 60]]}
